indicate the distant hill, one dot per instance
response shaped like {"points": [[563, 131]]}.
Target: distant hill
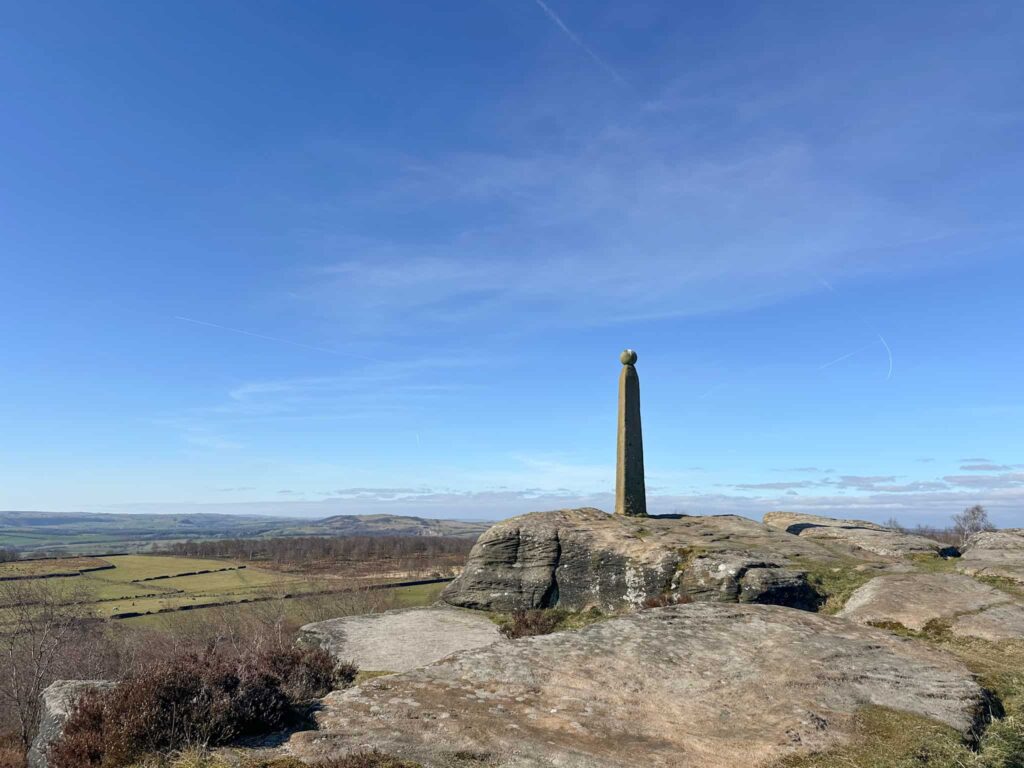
{"points": [[92, 533], [382, 525]]}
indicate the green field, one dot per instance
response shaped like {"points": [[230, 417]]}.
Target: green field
{"points": [[155, 585], [300, 610]]}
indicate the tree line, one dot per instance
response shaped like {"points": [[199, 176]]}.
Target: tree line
{"points": [[306, 549]]}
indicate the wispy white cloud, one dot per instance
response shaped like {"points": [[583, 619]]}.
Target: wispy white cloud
{"points": [[619, 229]]}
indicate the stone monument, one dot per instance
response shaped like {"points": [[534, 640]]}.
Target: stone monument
{"points": [[630, 492]]}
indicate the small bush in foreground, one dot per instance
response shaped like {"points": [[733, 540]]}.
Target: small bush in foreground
{"points": [[544, 621], [533, 622], [195, 699]]}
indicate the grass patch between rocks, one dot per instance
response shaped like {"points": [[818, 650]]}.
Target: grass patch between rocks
{"points": [[887, 738], [934, 563], [365, 675], [544, 621], [834, 583], [1004, 584]]}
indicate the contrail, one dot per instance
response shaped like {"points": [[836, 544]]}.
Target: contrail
{"points": [[583, 46], [881, 338], [272, 338], [843, 357], [889, 352]]}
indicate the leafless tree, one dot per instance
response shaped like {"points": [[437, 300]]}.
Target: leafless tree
{"points": [[39, 619], [972, 520], [893, 524]]}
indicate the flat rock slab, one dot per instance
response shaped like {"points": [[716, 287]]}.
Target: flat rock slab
{"points": [[995, 553], [858, 535], [708, 684], [578, 558], [969, 607], [396, 641], [794, 522], [1000, 622]]}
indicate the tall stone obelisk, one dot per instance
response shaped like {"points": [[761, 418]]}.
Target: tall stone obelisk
{"points": [[630, 492]]}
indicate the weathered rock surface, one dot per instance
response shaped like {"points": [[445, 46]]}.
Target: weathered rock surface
{"points": [[59, 699], [1000, 622], [580, 558], [995, 553], [967, 606], [396, 641], [714, 685], [744, 579], [795, 522], [858, 535]]}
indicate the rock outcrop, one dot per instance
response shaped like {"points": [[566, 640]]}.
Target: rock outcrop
{"points": [[58, 700], [396, 641], [995, 553], [715, 685], [732, 578], [962, 605], [580, 558], [858, 535], [795, 522]]}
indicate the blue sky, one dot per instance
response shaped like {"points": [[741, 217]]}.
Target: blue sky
{"points": [[309, 258]]}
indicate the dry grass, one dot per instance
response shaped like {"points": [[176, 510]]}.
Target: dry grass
{"points": [[886, 738], [544, 621]]}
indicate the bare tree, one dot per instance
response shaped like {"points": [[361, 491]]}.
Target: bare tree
{"points": [[893, 524], [972, 520], [38, 623]]}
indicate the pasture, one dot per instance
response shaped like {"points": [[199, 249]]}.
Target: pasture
{"points": [[139, 587]]}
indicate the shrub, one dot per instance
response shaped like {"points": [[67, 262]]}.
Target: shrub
{"points": [[193, 699], [533, 622], [665, 599], [345, 674], [12, 754], [307, 672]]}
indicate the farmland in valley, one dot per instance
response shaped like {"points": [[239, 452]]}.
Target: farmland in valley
{"points": [[139, 586]]}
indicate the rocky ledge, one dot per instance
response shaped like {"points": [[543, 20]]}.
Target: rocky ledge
{"points": [[995, 553], [858, 535], [940, 602], [579, 558], [721, 686]]}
